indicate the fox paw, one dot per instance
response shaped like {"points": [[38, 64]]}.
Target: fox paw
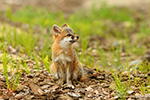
{"points": [[60, 82], [69, 83]]}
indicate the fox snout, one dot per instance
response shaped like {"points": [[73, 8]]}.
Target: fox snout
{"points": [[74, 39]]}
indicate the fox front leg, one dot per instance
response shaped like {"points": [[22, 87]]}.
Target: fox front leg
{"points": [[61, 74], [68, 76]]}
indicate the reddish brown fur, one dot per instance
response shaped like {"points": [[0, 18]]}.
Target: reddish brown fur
{"points": [[66, 66]]}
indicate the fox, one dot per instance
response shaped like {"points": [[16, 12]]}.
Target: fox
{"points": [[66, 66]]}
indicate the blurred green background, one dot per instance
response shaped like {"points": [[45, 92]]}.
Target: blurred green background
{"points": [[112, 33]]}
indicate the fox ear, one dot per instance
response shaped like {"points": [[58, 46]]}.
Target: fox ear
{"points": [[65, 25], [56, 29]]}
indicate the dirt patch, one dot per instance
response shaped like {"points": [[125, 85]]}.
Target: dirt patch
{"points": [[69, 6], [128, 3], [53, 5]]}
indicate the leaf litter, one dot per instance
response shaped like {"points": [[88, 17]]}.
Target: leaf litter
{"points": [[41, 85]]}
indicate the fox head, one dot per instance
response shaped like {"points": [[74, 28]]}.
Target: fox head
{"points": [[65, 36]]}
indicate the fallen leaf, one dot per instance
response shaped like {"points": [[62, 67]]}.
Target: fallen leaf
{"points": [[36, 90]]}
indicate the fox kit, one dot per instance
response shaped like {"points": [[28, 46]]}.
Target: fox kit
{"points": [[65, 63]]}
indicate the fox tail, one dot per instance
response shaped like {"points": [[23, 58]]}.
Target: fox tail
{"points": [[87, 74]]}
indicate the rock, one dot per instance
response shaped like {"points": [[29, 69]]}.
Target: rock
{"points": [[135, 62], [130, 91], [147, 57]]}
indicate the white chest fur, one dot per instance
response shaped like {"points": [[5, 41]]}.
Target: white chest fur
{"points": [[63, 58]]}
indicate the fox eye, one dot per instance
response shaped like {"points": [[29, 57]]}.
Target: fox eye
{"points": [[68, 34]]}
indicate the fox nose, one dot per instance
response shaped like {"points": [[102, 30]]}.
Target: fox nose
{"points": [[72, 37], [77, 37]]}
